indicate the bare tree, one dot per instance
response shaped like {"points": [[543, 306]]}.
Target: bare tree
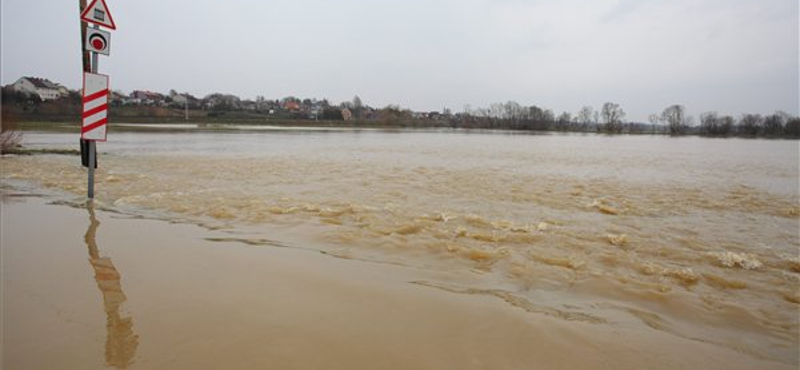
{"points": [[675, 118], [612, 117], [709, 124], [563, 122], [750, 124], [584, 117], [773, 124], [513, 113], [792, 128], [585, 114], [726, 124]]}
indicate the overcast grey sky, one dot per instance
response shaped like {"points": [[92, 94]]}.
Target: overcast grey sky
{"points": [[730, 56]]}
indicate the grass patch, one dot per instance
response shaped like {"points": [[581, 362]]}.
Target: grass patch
{"points": [[23, 151]]}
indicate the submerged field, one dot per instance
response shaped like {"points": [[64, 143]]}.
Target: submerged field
{"points": [[696, 239]]}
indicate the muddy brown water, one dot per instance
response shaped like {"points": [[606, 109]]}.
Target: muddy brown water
{"points": [[694, 239]]}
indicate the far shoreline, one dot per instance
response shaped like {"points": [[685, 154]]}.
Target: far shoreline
{"points": [[173, 125]]}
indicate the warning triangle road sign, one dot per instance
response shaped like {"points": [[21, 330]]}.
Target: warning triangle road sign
{"points": [[97, 13]]}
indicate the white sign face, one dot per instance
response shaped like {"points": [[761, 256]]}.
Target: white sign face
{"points": [[97, 13], [98, 41], [95, 107]]}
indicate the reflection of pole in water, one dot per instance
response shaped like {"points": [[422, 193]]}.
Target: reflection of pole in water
{"points": [[121, 342]]}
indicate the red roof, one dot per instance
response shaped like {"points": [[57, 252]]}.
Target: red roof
{"points": [[291, 105]]}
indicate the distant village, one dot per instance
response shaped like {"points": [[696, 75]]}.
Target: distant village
{"points": [[287, 107], [39, 99]]}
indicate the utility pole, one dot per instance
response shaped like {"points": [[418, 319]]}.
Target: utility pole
{"points": [[86, 66]]}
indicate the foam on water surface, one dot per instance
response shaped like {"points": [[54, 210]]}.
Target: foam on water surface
{"points": [[523, 213]]}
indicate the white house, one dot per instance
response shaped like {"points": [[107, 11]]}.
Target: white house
{"points": [[42, 87]]}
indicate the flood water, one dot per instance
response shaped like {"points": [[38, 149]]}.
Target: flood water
{"points": [[698, 238]]}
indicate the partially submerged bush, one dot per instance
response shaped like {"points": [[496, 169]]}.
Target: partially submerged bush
{"points": [[10, 137]]}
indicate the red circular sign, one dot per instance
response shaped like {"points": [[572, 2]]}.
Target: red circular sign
{"points": [[98, 42]]}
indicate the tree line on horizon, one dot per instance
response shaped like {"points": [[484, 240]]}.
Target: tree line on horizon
{"points": [[609, 119]]}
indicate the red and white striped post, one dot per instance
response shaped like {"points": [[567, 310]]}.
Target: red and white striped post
{"points": [[95, 107], [95, 115]]}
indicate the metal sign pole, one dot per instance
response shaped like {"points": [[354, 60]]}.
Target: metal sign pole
{"points": [[92, 143], [91, 168], [96, 91], [86, 68]]}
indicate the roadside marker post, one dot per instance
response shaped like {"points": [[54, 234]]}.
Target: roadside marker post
{"points": [[95, 103], [95, 86]]}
